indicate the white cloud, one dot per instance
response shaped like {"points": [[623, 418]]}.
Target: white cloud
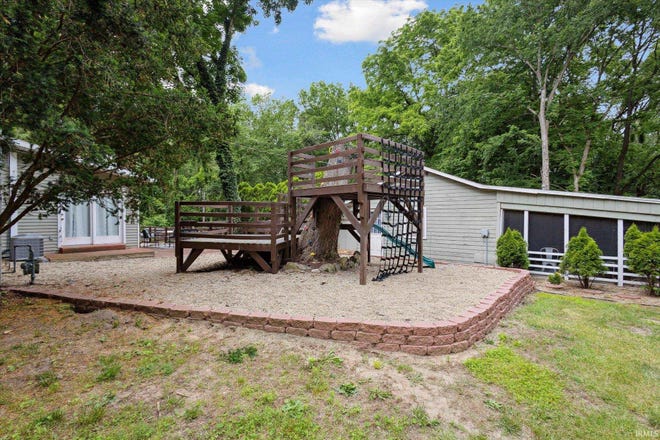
{"points": [[250, 57], [343, 21], [276, 30], [252, 89]]}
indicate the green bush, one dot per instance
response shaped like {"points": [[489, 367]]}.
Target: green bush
{"points": [[582, 258], [263, 192], [512, 250], [643, 252], [555, 278]]}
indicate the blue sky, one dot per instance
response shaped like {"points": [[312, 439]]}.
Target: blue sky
{"points": [[325, 41]]}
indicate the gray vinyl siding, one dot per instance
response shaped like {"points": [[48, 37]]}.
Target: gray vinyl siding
{"points": [[132, 231], [634, 209], [45, 226], [456, 214]]}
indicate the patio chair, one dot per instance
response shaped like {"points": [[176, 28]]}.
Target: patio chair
{"points": [[550, 253]]}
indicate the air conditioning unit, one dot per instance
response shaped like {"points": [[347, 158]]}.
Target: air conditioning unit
{"points": [[19, 250]]}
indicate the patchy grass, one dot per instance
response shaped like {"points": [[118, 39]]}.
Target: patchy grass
{"points": [[557, 368], [526, 381], [577, 368]]}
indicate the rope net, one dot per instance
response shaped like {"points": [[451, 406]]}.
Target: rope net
{"points": [[403, 190]]}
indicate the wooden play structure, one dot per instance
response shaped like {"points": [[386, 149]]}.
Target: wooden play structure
{"points": [[238, 229], [364, 175]]}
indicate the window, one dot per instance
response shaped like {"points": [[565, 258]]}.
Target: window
{"points": [[92, 223], [603, 230], [77, 221], [514, 220], [546, 231]]}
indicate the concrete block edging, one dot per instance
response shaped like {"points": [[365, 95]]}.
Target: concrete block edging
{"points": [[420, 338]]}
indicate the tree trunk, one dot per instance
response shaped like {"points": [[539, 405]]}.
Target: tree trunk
{"points": [[577, 175], [319, 241], [544, 125], [226, 171], [625, 145]]}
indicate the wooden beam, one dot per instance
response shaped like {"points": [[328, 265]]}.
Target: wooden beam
{"points": [[344, 209], [190, 259], [260, 261], [301, 219], [376, 213]]}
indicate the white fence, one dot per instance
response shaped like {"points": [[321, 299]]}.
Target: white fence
{"points": [[545, 263]]}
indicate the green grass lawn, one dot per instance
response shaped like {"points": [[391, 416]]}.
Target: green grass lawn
{"points": [[557, 368], [579, 368]]}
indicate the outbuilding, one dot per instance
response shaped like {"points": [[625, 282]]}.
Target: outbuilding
{"points": [[464, 219]]}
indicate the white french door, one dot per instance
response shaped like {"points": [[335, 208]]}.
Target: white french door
{"points": [[93, 223]]}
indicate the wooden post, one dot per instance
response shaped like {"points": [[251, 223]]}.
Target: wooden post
{"points": [[293, 211], [274, 260], [178, 250], [363, 200], [420, 235]]}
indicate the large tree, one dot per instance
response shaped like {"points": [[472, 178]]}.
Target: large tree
{"points": [[218, 72], [542, 36], [92, 85], [409, 79], [325, 114], [267, 130]]}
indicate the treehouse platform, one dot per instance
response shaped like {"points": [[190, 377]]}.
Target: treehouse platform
{"points": [[258, 230], [364, 176]]}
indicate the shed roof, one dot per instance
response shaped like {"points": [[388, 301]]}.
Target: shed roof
{"points": [[532, 191]]}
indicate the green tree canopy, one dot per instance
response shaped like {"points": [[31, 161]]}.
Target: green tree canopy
{"points": [[94, 87]]}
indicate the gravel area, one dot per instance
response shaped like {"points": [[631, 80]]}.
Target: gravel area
{"points": [[434, 295]]}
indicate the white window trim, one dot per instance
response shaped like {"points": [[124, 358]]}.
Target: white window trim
{"points": [[93, 239], [13, 176]]}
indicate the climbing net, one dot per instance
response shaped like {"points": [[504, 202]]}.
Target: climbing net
{"points": [[403, 192]]}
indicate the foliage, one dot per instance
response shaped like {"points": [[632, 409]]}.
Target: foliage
{"points": [[325, 114], [555, 278], [643, 252], [488, 92], [218, 71], [267, 131], [197, 179], [582, 258], [512, 250], [347, 389], [263, 192], [110, 368], [236, 356], [93, 87]]}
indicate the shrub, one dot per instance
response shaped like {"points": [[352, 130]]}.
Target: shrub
{"points": [[512, 250], [554, 278], [582, 258], [643, 252]]}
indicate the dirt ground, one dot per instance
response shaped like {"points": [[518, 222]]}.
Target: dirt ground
{"points": [[434, 295], [601, 291], [44, 331]]}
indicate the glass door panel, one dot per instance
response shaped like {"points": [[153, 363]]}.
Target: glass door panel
{"points": [[77, 228]]}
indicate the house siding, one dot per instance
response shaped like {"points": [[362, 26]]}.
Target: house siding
{"points": [[132, 231], [44, 226], [456, 214], [37, 222], [615, 209]]}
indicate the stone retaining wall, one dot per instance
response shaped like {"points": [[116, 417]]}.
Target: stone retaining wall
{"points": [[419, 338]]}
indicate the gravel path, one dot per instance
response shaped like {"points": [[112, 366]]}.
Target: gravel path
{"points": [[434, 295]]}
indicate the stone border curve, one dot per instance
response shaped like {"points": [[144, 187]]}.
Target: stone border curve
{"points": [[419, 338]]}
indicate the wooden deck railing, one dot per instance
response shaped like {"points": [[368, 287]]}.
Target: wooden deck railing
{"points": [[245, 227], [356, 160]]}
